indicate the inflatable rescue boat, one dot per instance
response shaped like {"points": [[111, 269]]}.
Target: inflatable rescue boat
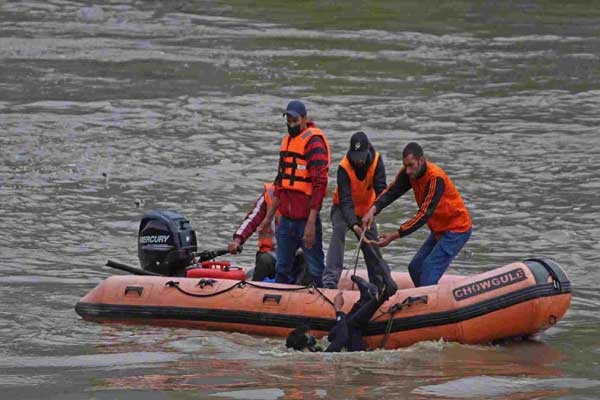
{"points": [[517, 300], [178, 286]]}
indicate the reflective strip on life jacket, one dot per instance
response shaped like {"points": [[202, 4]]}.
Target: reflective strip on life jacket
{"points": [[293, 168]]}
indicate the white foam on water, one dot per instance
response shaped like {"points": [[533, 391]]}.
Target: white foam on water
{"points": [[260, 394], [487, 386], [137, 359]]}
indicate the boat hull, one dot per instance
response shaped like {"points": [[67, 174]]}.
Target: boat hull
{"points": [[519, 299]]}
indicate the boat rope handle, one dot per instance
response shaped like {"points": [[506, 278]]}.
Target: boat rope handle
{"points": [[281, 289], [241, 284], [407, 302], [388, 329], [310, 287], [175, 284]]}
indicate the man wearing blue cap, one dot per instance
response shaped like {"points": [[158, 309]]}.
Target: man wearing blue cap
{"points": [[300, 186]]}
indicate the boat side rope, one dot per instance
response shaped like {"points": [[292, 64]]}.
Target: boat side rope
{"points": [[407, 302], [175, 284], [242, 284], [388, 327], [309, 287], [324, 297]]}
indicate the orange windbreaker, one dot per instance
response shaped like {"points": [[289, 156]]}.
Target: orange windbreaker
{"points": [[450, 214]]}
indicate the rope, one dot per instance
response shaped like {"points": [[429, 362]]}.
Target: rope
{"points": [[407, 302], [176, 286], [294, 290], [388, 329], [324, 297], [241, 284], [362, 237]]}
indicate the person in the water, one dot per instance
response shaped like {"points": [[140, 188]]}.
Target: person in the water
{"points": [[348, 331]]}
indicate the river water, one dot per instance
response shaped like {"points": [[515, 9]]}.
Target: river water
{"points": [[112, 109]]}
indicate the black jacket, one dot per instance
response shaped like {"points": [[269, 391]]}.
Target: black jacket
{"points": [[343, 186]]}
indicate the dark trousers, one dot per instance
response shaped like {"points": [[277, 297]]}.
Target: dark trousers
{"points": [[289, 239], [334, 262], [265, 268], [348, 331]]}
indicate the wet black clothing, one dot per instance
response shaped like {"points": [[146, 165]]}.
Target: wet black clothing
{"points": [[348, 330]]}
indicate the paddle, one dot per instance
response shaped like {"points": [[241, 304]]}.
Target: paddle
{"points": [[127, 268]]}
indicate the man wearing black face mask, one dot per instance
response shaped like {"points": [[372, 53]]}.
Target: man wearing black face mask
{"points": [[300, 186], [360, 179]]}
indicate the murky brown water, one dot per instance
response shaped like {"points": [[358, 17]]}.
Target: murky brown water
{"points": [[111, 110]]}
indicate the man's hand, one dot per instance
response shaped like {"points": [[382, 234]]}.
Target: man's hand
{"points": [[264, 225], [367, 219], [309, 235], [310, 229], [358, 230], [384, 240], [234, 246], [338, 301]]}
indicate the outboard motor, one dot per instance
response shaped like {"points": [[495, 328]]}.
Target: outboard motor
{"points": [[166, 243]]}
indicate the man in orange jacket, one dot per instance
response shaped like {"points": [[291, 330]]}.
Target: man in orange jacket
{"points": [[360, 179], [440, 207]]}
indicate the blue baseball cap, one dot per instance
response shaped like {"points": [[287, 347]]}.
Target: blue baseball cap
{"points": [[295, 109]]}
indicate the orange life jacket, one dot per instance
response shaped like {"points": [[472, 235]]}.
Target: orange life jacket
{"points": [[363, 192], [293, 169], [266, 239], [451, 213]]}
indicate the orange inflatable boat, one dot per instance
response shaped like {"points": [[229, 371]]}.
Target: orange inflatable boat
{"points": [[516, 300]]}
